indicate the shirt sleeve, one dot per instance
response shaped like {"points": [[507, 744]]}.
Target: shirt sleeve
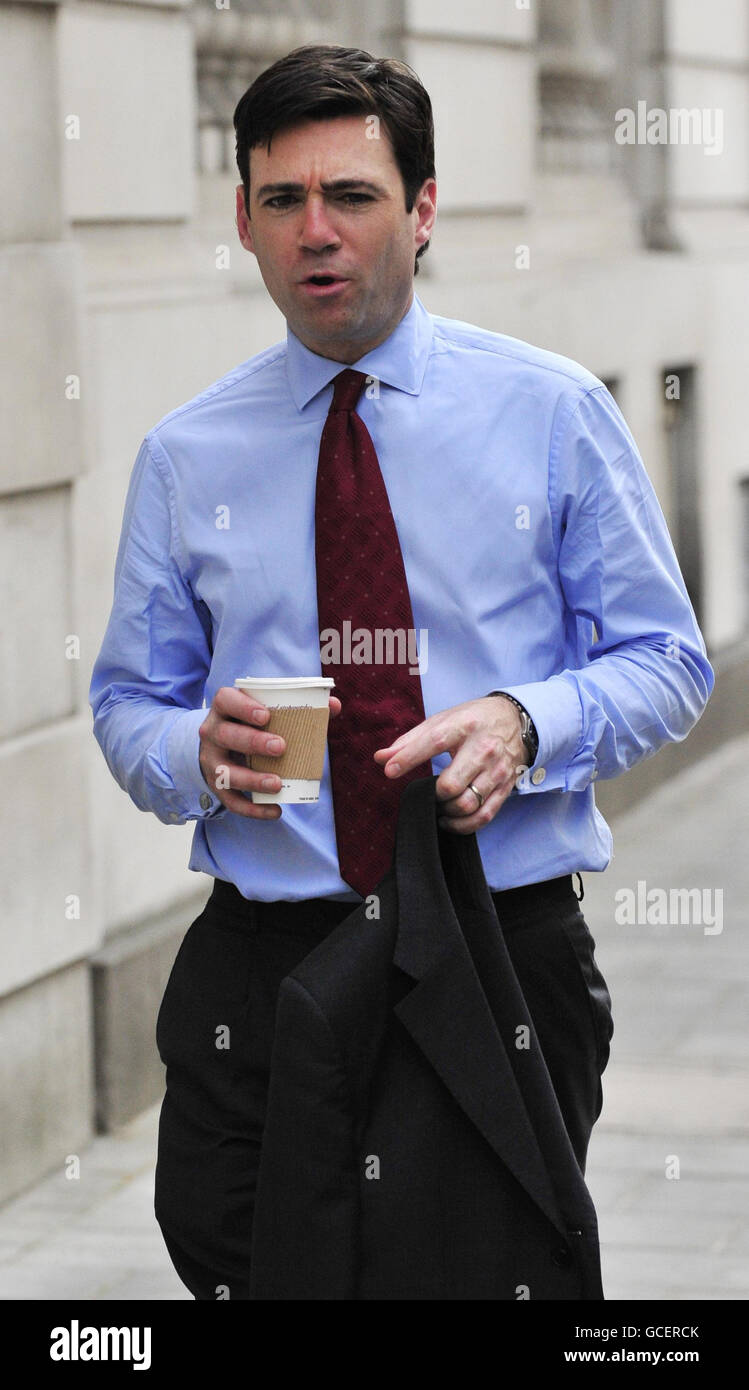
{"points": [[646, 678], [148, 681]]}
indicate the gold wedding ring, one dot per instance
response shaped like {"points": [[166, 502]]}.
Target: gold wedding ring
{"points": [[476, 793]]}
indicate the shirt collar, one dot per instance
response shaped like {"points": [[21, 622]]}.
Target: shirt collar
{"points": [[399, 361]]}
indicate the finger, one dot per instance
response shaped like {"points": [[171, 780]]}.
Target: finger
{"points": [[231, 703], [480, 763], [466, 803], [228, 776], [241, 806], [334, 704], [230, 780], [466, 825], [418, 745], [240, 738], [402, 741]]}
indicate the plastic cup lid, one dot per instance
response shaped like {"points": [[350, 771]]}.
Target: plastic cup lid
{"points": [[285, 682]]}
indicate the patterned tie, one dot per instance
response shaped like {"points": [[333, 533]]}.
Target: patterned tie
{"points": [[361, 581]]}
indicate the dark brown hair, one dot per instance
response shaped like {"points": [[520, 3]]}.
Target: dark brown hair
{"points": [[321, 81]]}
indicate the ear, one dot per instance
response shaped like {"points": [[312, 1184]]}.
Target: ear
{"points": [[426, 208], [244, 224]]}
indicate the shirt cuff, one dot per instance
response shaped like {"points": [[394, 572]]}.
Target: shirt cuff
{"points": [[183, 755], [554, 706]]}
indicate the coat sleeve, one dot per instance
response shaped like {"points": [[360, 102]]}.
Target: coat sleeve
{"points": [[305, 1225]]}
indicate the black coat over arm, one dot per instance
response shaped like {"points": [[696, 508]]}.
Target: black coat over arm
{"points": [[411, 1149]]}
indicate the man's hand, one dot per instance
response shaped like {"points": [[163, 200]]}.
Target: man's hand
{"points": [[484, 738], [224, 733]]}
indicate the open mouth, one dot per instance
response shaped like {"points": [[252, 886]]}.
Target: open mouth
{"points": [[322, 285]]}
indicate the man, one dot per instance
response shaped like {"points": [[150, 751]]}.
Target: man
{"points": [[382, 468]]}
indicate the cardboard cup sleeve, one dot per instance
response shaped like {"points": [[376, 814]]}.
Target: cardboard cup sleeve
{"points": [[305, 731]]}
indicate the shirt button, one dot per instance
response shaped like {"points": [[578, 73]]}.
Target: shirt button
{"points": [[206, 800], [174, 817], [594, 774], [538, 775]]}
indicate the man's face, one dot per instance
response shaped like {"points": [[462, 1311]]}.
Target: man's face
{"points": [[357, 231]]}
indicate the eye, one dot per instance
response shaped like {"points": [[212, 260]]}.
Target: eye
{"points": [[283, 199]]}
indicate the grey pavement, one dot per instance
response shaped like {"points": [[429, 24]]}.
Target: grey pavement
{"points": [[668, 1164]]}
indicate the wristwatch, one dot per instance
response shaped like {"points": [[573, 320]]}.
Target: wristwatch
{"points": [[527, 727]]}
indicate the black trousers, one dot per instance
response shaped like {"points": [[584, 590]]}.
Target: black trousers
{"points": [[215, 1029]]}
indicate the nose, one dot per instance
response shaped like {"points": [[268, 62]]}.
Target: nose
{"points": [[318, 232]]}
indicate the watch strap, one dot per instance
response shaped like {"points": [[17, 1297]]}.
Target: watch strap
{"points": [[528, 728]]}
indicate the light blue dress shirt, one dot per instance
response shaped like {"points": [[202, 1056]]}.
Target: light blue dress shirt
{"points": [[538, 561]]}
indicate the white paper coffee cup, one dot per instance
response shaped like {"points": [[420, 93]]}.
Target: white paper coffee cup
{"points": [[299, 713]]}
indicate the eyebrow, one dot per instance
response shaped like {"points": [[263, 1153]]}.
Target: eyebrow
{"points": [[332, 186]]}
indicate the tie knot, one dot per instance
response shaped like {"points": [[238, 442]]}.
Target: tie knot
{"points": [[347, 388]]}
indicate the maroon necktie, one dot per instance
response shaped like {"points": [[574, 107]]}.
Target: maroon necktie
{"points": [[361, 581]]}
